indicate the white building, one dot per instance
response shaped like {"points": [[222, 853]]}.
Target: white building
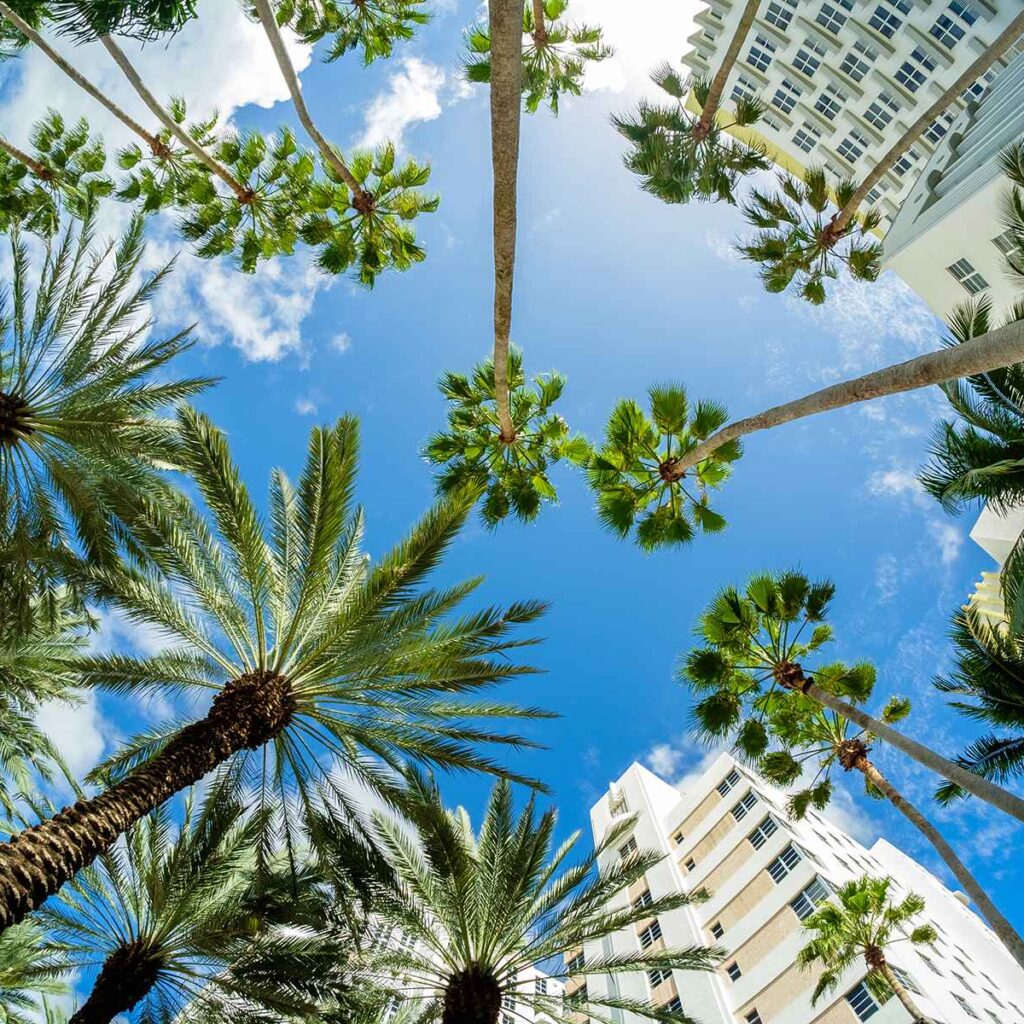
{"points": [[996, 534], [948, 242], [844, 79], [728, 832]]}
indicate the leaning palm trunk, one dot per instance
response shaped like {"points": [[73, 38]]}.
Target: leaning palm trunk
{"points": [[990, 351], [125, 979], [284, 63], [1003, 42], [35, 863], [714, 99], [506, 27], [242, 193], [41, 172], [859, 761], [794, 679], [901, 992], [155, 145]]}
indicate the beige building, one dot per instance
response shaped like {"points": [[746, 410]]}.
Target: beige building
{"points": [[728, 832]]}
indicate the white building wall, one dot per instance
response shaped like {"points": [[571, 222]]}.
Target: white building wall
{"points": [[761, 932]]}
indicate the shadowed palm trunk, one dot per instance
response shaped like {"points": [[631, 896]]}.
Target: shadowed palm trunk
{"points": [[540, 28], [471, 997], [988, 352], [855, 759], [35, 863], [1003, 42], [155, 145], [714, 100], [126, 978], [901, 992], [506, 27]]}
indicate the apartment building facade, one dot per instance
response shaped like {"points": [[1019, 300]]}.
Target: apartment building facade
{"points": [[844, 79], [949, 242], [729, 833]]}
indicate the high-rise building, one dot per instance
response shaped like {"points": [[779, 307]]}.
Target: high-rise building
{"points": [[727, 831], [845, 79], [996, 534], [949, 242]]}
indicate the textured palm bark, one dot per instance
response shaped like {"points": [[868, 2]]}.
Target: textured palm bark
{"points": [[540, 28], [125, 979], [471, 997], [714, 100], [901, 992], [506, 27], [41, 172], [1002, 43], [35, 863], [1008, 936], [988, 352]]}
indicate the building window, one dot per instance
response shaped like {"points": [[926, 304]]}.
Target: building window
{"points": [[994, 1016], [939, 127], [885, 21], [717, 930], [786, 96], [971, 280], [678, 838], [691, 864], [739, 812], [966, 1006], [643, 900], [831, 18], [760, 54], [650, 934], [1006, 242], [674, 1005], [759, 836], [628, 849], [743, 89], [995, 999], [977, 90], [853, 146], [729, 782], [951, 27], [857, 63], [779, 14], [913, 72], [753, 1017], [508, 1002], [830, 102], [811, 898], [575, 965], [773, 122], [507, 1018], [657, 976], [784, 863], [905, 162], [541, 986], [930, 964], [806, 137], [904, 979], [734, 972], [809, 56], [877, 192], [862, 1002], [880, 113], [959, 977]]}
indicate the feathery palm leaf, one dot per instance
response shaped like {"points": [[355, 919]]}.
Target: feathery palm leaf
{"points": [[30, 967]]}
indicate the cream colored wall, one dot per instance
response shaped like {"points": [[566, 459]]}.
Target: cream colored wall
{"points": [[697, 815], [772, 935], [783, 990], [735, 860], [746, 900]]}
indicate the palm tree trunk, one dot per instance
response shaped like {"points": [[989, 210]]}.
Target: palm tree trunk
{"points": [[80, 80], [36, 862], [714, 100], [540, 28], [506, 26], [472, 996], [983, 354], [242, 193], [126, 978], [1003, 929], [41, 172], [903, 995], [284, 63], [981, 788], [1003, 42]]}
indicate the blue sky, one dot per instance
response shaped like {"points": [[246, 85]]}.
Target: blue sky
{"points": [[619, 292]]}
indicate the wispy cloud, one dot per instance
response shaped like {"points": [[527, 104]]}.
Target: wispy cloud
{"points": [[413, 95]]}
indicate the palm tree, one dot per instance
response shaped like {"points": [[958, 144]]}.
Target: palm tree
{"points": [[81, 387], [167, 919], [1012, 160], [988, 677], [139, 19], [480, 908], [681, 157], [863, 922], [314, 659], [554, 59], [757, 644], [810, 733], [30, 966], [811, 252], [633, 472]]}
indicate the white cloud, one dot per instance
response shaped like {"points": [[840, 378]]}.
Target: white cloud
{"points": [[887, 577], [948, 539], [305, 407], [341, 342], [413, 95], [77, 731], [663, 759], [116, 632]]}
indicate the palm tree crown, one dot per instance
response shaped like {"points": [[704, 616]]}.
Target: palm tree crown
{"points": [[484, 906]]}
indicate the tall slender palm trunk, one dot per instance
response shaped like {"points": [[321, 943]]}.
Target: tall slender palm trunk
{"points": [[540, 28], [35, 863], [901, 992], [242, 193], [858, 760], [155, 145], [506, 27], [1002, 43], [41, 172], [988, 352], [287, 69], [125, 979], [714, 100]]}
